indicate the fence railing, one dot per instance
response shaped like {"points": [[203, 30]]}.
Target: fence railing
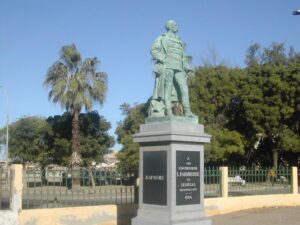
{"points": [[5, 190], [250, 181], [65, 187], [82, 187], [212, 182]]}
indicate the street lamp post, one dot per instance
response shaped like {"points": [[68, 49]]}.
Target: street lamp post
{"points": [[7, 120]]}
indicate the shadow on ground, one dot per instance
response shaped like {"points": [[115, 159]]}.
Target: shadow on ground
{"points": [[125, 213]]}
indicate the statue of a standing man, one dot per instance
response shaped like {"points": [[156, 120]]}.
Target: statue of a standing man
{"points": [[171, 69]]}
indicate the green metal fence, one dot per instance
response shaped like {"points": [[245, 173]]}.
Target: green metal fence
{"points": [[5, 187], [65, 187], [212, 182], [251, 181]]}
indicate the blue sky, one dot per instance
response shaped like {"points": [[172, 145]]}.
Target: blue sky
{"points": [[120, 34]]}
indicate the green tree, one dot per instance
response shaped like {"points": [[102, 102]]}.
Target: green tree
{"points": [[35, 139], [252, 113], [211, 92], [94, 137], [275, 54], [29, 140], [75, 83], [226, 147], [129, 154], [253, 55], [267, 112]]}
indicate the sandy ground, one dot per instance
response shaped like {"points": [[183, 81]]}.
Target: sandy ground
{"points": [[265, 216]]}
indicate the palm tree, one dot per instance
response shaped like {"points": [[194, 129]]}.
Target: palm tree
{"points": [[75, 84]]}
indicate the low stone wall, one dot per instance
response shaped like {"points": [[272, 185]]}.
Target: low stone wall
{"points": [[90, 215], [122, 215], [7, 217], [217, 206], [93, 215]]}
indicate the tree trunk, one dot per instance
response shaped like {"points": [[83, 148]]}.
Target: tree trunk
{"points": [[92, 179], [275, 158], [76, 159]]}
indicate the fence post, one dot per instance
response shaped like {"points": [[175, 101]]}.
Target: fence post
{"points": [[136, 190], [224, 181], [16, 188], [294, 183]]}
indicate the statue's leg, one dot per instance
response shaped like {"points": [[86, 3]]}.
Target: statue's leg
{"points": [[181, 80], [168, 82]]}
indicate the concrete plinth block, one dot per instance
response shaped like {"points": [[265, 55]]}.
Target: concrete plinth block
{"points": [[139, 221], [171, 174]]}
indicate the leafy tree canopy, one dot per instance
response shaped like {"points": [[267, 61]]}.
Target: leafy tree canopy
{"points": [[259, 103], [129, 154], [94, 137], [29, 138], [48, 140]]}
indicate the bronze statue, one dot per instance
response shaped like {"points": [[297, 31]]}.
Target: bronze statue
{"points": [[172, 67]]}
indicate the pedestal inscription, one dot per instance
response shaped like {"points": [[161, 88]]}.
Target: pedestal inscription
{"points": [[155, 177], [187, 177]]}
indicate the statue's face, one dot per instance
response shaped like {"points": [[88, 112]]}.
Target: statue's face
{"points": [[172, 26]]}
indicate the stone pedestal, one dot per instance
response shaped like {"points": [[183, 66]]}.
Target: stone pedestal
{"points": [[171, 174]]}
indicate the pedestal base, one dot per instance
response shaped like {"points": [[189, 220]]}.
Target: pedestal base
{"points": [[165, 217], [140, 221], [171, 172]]}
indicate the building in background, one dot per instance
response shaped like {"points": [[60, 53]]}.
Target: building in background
{"points": [[110, 162]]}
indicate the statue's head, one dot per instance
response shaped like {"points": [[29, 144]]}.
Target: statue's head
{"points": [[171, 26]]}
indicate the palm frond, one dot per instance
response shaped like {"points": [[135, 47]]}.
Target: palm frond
{"points": [[58, 71], [89, 66], [78, 100], [50, 94], [76, 84], [88, 104], [70, 56], [99, 88]]}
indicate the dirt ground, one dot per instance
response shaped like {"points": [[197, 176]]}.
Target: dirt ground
{"points": [[264, 216]]}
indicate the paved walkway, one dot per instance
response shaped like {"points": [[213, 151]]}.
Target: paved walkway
{"points": [[265, 216]]}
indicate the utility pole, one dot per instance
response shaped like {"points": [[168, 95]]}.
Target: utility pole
{"points": [[7, 122]]}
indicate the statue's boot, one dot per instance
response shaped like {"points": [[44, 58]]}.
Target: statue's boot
{"points": [[187, 109], [188, 113], [169, 110]]}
